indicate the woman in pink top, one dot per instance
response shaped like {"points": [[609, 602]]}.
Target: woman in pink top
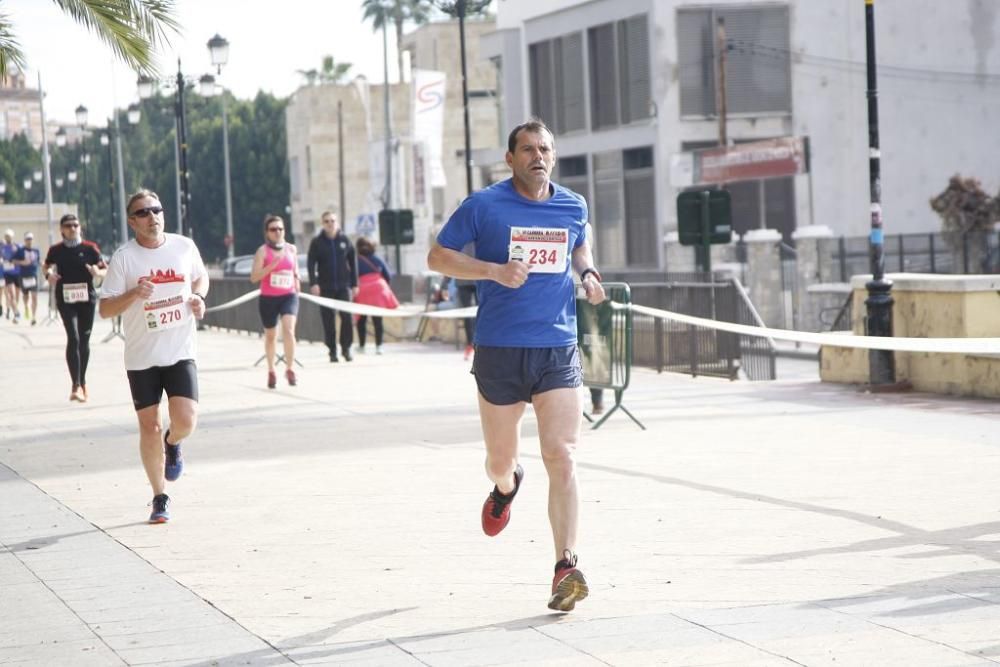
{"points": [[276, 268]]}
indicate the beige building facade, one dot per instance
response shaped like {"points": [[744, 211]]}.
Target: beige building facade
{"points": [[315, 151], [20, 109]]}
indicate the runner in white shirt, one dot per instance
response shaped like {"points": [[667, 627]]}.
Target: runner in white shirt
{"points": [[157, 283]]}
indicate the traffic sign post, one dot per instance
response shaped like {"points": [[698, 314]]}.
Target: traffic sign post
{"points": [[704, 217], [395, 226]]}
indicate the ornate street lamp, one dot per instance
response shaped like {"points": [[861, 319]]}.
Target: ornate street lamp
{"points": [[218, 50], [134, 114], [460, 9], [61, 137]]}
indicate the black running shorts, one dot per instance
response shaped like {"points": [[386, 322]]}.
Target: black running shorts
{"points": [[148, 385], [508, 375], [272, 307]]}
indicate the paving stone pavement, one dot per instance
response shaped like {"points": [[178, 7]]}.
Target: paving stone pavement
{"points": [[337, 522]]}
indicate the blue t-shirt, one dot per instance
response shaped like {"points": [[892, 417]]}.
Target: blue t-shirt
{"points": [[542, 312], [33, 254], [7, 252]]}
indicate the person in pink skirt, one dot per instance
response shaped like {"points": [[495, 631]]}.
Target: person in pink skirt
{"points": [[373, 290]]}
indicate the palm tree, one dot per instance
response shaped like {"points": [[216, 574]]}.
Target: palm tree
{"points": [[330, 72], [333, 72], [132, 28], [397, 12]]}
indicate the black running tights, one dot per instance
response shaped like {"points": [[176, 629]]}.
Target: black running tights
{"points": [[78, 319]]}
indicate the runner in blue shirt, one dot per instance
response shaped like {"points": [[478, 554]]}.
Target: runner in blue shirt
{"points": [[530, 235], [11, 275], [27, 259]]}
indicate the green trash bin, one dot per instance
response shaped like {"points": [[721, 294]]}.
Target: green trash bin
{"points": [[604, 336]]}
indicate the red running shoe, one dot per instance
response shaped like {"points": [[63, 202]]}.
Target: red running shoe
{"points": [[496, 509], [569, 586]]}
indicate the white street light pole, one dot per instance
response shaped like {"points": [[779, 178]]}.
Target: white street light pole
{"points": [[218, 48]]}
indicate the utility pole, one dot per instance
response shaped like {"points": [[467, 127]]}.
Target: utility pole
{"points": [[722, 48], [881, 363], [340, 157]]}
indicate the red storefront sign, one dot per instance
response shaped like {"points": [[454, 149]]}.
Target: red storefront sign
{"points": [[772, 158]]}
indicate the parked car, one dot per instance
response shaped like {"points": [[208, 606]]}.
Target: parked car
{"points": [[239, 267]]}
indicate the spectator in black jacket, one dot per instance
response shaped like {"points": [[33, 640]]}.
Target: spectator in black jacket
{"points": [[333, 273]]}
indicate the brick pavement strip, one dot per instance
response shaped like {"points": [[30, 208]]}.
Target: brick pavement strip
{"points": [[337, 522]]}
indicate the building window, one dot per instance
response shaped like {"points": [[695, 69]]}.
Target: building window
{"points": [[640, 207], [557, 94], [620, 86], [633, 48], [294, 178], [572, 173], [309, 168], [608, 213], [758, 66]]}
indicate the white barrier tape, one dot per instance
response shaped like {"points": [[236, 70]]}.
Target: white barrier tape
{"points": [[978, 346], [358, 308], [249, 296]]}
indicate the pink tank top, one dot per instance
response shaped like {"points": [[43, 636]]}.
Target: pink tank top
{"points": [[281, 281]]}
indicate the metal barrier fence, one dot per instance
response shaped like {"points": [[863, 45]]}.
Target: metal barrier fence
{"points": [[974, 252], [604, 336], [682, 348], [246, 317]]}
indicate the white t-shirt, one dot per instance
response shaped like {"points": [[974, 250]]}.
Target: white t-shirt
{"points": [[159, 331]]}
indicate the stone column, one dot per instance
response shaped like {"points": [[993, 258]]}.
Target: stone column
{"points": [[808, 265], [764, 274], [679, 258]]}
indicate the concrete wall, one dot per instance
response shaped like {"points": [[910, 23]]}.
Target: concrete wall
{"points": [[929, 306]]}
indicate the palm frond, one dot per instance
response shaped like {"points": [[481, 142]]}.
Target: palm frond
{"points": [[10, 49], [131, 28]]}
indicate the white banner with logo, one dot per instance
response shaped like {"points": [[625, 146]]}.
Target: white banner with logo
{"points": [[428, 120]]}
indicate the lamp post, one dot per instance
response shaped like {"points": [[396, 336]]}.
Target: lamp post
{"points": [[218, 49], [460, 9], [145, 86], [881, 363], [387, 196], [81, 121]]}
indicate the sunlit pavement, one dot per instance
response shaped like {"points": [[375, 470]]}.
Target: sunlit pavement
{"points": [[337, 522]]}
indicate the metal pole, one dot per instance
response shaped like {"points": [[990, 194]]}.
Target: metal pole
{"points": [[720, 33], [122, 213], [881, 363], [460, 8], [182, 154], [340, 157], [177, 180], [231, 250], [45, 163], [111, 186], [83, 195], [387, 197]]}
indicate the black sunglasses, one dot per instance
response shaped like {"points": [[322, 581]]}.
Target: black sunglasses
{"points": [[143, 212]]}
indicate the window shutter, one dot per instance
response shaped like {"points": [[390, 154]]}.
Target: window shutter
{"points": [[603, 76], [634, 58], [569, 79], [542, 86], [758, 66], [696, 62]]}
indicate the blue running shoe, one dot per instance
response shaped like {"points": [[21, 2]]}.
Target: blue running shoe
{"points": [[174, 462], [161, 513]]}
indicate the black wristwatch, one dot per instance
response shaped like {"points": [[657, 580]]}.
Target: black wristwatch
{"points": [[583, 274], [200, 296]]}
